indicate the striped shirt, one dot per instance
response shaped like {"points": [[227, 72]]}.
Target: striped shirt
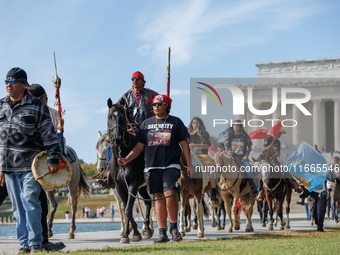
{"points": [[25, 130]]}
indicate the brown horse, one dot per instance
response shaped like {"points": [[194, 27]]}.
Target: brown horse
{"points": [[278, 188], [234, 182], [193, 187]]}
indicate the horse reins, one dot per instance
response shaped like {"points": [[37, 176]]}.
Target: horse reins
{"points": [[238, 172], [119, 156]]}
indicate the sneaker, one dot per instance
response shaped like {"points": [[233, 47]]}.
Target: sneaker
{"points": [[162, 239], [23, 250], [176, 236], [48, 246], [36, 249]]}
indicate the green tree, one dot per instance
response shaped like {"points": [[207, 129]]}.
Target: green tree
{"points": [[90, 170]]}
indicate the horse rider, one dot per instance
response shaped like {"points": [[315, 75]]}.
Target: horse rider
{"points": [[270, 153], [162, 162], [199, 144], [29, 130], [239, 145], [138, 102]]}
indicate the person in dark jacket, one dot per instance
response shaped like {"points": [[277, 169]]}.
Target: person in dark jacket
{"points": [[26, 129]]}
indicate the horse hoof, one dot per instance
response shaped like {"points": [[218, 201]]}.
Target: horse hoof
{"points": [[230, 230], [137, 238], [50, 233], [183, 234], [251, 229], [147, 234], [194, 227], [270, 228], [124, 240], [200, 235], [223, 226], [247, 230], [237, 227], [312, 223], [121, 233], [287, 227], [282, 228], [70, 236], [275, 225], [263, 225], [219, 228]]}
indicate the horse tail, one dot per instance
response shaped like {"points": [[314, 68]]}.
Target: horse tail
{"points": [[83, 186], [205, 210]]}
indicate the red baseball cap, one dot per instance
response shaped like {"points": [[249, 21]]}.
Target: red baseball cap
{"points": [[138, 74], [163, 98]]}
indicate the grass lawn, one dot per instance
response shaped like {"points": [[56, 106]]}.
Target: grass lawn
{"points": [[286, 242], [92, 203]]}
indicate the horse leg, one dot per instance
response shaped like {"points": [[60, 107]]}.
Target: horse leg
{"points": [[147, 230], [288, 200], [224, 213], [128, 213], [249, 212], [213, 218], [218, 214], [54, 206], [237, 222], [121, 211], [194, 226], [226, 200], [263, 210], [199, 212], [183, 198], [270, 205], [189, 218]]}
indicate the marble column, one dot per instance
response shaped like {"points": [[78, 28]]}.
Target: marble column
{"points": [[257, 143], [316, 122], [296, 138], [336, 124]]}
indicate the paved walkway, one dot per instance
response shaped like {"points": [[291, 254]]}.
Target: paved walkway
{"points": [[100, 240]]}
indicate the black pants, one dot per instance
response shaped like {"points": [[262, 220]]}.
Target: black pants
{"points": [[44, 207], [318, 204]]}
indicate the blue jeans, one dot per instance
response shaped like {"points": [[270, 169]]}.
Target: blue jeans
{"points": [[24, 191], [307, 211], [249, 171]]}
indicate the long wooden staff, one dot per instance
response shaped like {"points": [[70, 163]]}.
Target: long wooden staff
{"points": [[168, 83], [57, 85]]}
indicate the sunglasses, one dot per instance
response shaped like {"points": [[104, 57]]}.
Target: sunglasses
{"points": [[159, 104], [136, 78], [12, 81]]}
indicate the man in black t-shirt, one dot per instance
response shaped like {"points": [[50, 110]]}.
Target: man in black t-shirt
{"points": [[161, 137]]}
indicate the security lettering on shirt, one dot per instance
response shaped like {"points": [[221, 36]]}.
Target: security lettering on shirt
{"points": [[159, 134]]}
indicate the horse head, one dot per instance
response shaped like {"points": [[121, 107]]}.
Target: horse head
{"points": [[101, 147], [117, 123]]}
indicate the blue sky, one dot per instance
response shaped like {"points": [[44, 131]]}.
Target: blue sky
{"points": [[99, 44]]}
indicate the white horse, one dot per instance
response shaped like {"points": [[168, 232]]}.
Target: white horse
{"points": [[101, 147], [76, 187]]}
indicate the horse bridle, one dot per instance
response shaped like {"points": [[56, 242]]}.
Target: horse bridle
{"points": [[122, 128]]}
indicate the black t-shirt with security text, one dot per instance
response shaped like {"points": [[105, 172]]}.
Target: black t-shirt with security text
{"points": [[161, 139]]}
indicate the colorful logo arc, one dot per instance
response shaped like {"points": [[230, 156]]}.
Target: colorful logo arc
{"points": [[209, 93]]}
